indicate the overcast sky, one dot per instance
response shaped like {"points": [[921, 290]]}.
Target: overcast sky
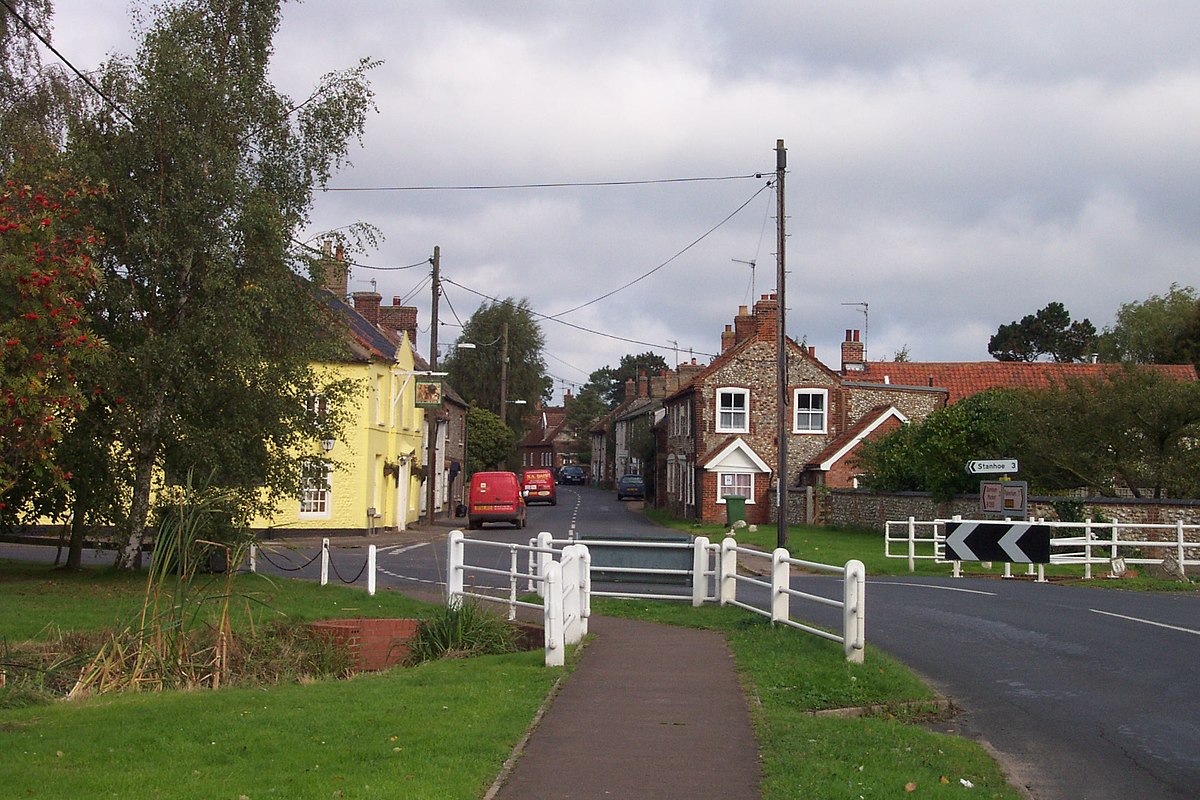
{"points": [[952, 165]]}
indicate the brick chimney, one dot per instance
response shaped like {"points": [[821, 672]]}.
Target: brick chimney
{"points": [[630, 389], [643, 385], [853, 353], [766, 316], [337, 274], [401, 319], [367, 304], [743, 325], [728, 338]]}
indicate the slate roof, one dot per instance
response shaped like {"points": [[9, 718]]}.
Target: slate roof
{"points": [[366, 341], [965, 378]]}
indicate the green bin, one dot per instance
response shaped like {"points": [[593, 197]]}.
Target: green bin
{"points": [[735, 509]]}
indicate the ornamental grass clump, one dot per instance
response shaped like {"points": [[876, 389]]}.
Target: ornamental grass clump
{"points": [[462, 631], [182, 637]]}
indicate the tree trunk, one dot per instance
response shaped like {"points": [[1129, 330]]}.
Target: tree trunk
{"points": [[145, 458], [78, 529]]}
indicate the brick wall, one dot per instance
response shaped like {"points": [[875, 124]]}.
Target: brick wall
{"points": [[860, 508]]}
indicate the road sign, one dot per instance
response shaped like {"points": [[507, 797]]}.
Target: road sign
{"points": [[1010, 542], [991, 467], [1003, 499]]}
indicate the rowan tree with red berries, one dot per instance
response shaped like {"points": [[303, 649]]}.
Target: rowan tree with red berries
{"points": [[45, 273]]}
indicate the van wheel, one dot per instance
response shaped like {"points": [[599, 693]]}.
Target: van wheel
{"points": [[473, 525]]}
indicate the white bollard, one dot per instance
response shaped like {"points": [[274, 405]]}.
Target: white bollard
{"points": [[552, 616], [699, 571], [253, 557], [454, 569], [324, 561], [371, 570], [912, 544], [780, 573], [728, 574], [854, 611]]}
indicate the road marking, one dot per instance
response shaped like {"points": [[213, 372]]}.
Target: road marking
{"points": [[1147, 622], [931, 586], [397, 549]]}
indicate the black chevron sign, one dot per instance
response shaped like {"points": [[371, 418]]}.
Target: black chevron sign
{"points": [[1011, 542]]}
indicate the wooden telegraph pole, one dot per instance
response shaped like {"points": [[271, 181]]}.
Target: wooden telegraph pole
{"points": [[781, 372], [431, 469]]}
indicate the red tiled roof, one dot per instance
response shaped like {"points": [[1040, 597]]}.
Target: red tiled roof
{"points": [[963, 379]]}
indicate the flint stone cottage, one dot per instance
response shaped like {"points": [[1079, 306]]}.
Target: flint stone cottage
{"points": [[718, 434]]}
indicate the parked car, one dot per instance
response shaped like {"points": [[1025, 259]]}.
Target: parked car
{"points": [[495, 497], [574, 475], [537, 486], [631, 486]]}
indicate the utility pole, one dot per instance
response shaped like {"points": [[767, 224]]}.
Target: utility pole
{"points": [[504, 374], [431, 469], [781, 373]]}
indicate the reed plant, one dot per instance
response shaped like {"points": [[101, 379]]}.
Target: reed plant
{"points": [[460, 631]]}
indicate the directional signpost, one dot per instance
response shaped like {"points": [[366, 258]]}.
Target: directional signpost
{"points": [[993, 466], [1008, 542]]}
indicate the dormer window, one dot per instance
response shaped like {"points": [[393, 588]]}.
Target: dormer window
{"points": [[733, 411]]}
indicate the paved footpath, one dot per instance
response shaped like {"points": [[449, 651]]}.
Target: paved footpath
{"points": [[652, 712]]}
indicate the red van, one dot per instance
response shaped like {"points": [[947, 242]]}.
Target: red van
{"points": [[495, 497], [538, 486]]}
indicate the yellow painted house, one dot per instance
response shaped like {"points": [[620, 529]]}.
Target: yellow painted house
{"points": [[374, 480]]}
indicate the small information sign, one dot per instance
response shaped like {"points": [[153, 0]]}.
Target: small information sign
{"points": [[1004, 499]]}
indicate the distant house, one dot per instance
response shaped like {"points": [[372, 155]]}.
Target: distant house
{"points": [[548, 443]]}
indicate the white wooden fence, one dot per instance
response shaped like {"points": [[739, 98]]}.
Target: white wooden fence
{"points": [[564, 585], [720, 563], [1088, 543]]}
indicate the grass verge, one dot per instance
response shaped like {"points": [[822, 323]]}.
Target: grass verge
{"points": [[887, 752]]}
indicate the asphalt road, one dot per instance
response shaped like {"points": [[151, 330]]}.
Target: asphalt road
{"points": [[1082, 693]]}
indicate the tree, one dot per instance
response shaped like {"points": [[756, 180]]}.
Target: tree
{"points": [[210, 172], [36, 100], [45, 272], [1162, 329], [582, 412], [608, 383], [489, 441], [1130, 428], [476, 373], [1048, 332], [931, 455]]}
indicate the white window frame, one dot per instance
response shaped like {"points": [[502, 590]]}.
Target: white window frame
{"points": [[317, 502], [808, 411], [721, 409], [732, 483]]}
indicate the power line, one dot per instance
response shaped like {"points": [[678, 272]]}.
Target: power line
{"points": [[63, 59], [558, 185], [570, 324], [645, 275]]}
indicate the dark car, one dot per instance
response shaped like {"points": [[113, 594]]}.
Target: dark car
{"points": [[574, 475], [631, 486]]}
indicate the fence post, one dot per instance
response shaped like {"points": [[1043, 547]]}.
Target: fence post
{"points": [[912, 544], [854, 592], [253, 557], [1179, 544], [572, 563], [699, 570], [371, 570], [957, 572], [324, 561], [545, 541], [1087, 549], [552, 616], [585, 586], [727, 578], [780, 572], [454, 569]]}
